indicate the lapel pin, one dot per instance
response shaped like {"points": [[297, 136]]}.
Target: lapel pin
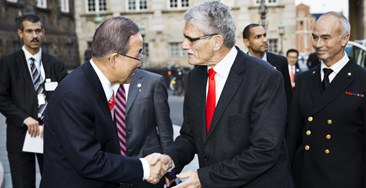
{"points": [[139, 85], [349, 74], [275, 67], [314, 72], [355, 94]]}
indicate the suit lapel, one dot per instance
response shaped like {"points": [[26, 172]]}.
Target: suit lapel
{"points": [[23, 67], [336, 87], [231, 86], [102, 101], [314, 83], [133, 90]]}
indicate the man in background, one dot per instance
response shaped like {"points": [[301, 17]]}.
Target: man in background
{"points": [[293, 66], [148, 125], [24, 93], [255, 39]]}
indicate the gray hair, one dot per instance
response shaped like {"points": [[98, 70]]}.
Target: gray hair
{"points": [[113, 35], [346, 27], [213, 17]]}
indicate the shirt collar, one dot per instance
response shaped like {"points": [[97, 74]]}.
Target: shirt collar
{"points": [[28, 55], [263, 58], [223, 67], [107, 87], [337, 66]]}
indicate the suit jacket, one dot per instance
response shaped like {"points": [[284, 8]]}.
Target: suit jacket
{"points": [[149, 128], [81, 147], [18, 98], [326, 135], [280, 63], [245, 145]]}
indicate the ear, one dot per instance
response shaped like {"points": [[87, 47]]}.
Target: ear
{"points": [[345, 39], [219, 41], [112, 59], [246, 42], [20, 33], [43, 32]]}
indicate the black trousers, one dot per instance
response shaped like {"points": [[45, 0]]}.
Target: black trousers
{"points": [[23, 169]]}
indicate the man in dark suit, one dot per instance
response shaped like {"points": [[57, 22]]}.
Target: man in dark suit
{"points": [[293, 67], [148, 125], [82, 148], [255, 39], [326, 135], [234, 109], [20, 102]]}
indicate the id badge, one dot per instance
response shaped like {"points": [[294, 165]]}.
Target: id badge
{"points": [[41, 99], [50, 86]]}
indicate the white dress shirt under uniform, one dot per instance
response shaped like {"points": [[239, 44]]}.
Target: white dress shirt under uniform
{"points": [[337, 67], [108, 90]]}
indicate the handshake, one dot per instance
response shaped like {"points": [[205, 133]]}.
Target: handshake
{"points": [[159, 165]]}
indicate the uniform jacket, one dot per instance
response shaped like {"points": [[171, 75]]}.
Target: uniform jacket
{"points": [[326, 135], [149, 128], [245, 144], [18, 98], [81, 147]]}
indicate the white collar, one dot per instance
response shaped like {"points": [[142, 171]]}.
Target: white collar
{"points": [[107, 86], [28, 55]]}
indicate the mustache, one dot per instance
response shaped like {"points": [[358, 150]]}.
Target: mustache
{"points": [[35, 40]]}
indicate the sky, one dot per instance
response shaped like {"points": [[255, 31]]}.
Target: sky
{"points": [[322, 6]]}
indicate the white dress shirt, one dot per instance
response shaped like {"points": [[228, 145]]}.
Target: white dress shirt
{"points": [[37, 61], [108, 90], [222, 70], [337, 67]]}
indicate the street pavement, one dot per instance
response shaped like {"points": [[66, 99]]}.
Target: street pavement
{"points": [[176, 106]]}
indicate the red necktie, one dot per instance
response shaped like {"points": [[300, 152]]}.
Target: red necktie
{"points": [[111, 104], [120, 111], [292, 75], [211, 98]]}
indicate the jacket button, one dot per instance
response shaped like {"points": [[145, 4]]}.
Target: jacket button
{"points": [[310, 119], [326, 151], [307, 147], [329, 122], [328, 136], [308, 132], [206, 158]]}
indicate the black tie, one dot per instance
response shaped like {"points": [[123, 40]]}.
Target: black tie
{"points": [[326, 77]]}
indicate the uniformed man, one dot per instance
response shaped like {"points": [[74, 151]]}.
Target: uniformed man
{"points": [[326, 135]]}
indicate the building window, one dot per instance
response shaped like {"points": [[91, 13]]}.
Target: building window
{"points": [[64, 6], [178, 4], [70, 52], [175, 50], [272, 45], [301, 14], [137, 5], [41, 3], [47, 48], [97, 5], [145, 50], [268, 2]]}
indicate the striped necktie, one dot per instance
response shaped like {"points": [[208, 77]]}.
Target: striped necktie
{"points": [[38, 86], [120, 111]]}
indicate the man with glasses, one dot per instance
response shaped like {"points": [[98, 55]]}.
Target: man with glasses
{"points": [[83, 145], [234, 109]]}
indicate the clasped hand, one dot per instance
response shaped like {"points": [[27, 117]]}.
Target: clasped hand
{"points": [[159, 165]]}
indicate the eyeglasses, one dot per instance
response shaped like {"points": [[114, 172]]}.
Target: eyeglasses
{"points": [[138, 59], [199, 38]]}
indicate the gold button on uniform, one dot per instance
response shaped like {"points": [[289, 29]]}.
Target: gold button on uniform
{"points": [[310, 118], [326, 151], [308, 132], [329, 122], [307, 147], [328, 136]]}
